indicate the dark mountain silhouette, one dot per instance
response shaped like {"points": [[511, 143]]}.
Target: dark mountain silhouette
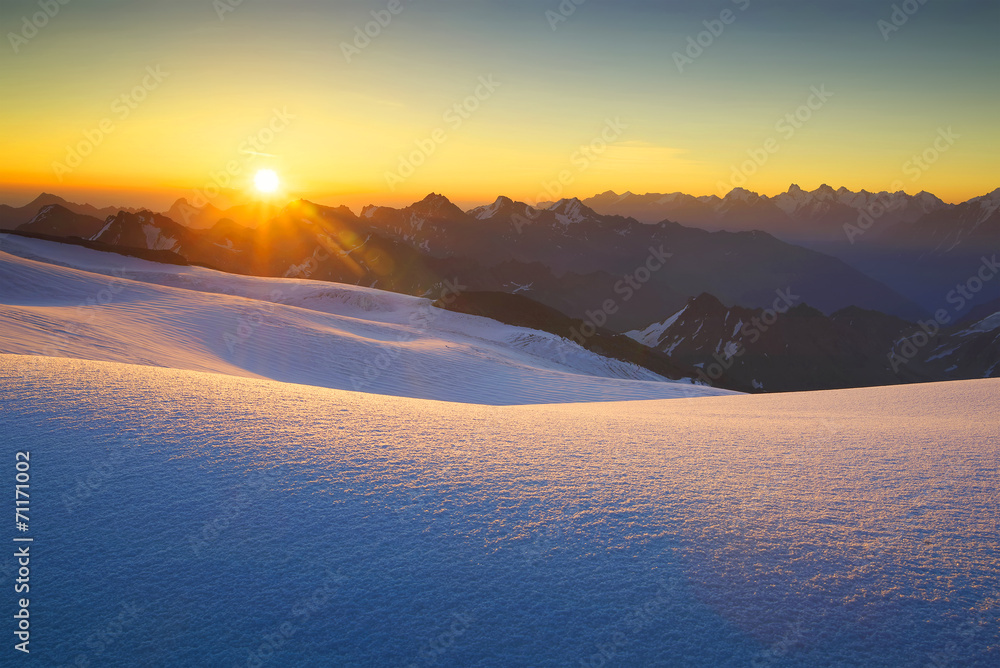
{"points": [[737, 347], [799, 348], [57, 220], [145, 229], [13, 217], [575, 241], [917, 245], [521, 311]]}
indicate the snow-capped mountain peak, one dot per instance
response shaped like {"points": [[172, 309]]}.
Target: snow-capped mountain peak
{"points": [[741, 195], [144, 229], [988, 204], [571, 211], [491, 210]]}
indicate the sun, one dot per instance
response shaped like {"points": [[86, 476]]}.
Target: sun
{"points": [[266, 181]]}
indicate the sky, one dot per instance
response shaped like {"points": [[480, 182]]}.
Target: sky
{"points": [[140, 102]]}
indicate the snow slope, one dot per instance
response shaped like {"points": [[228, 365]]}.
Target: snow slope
{"points": [[185, 518], [190, 519], [58, 300]]}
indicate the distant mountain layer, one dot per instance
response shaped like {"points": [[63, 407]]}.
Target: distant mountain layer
{"points": [[13, 217], [918, 245], [59, 221], [796, 213], [594, 258]]}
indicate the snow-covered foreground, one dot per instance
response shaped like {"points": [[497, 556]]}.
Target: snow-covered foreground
{"points": [[58, 300], [189, 519]]}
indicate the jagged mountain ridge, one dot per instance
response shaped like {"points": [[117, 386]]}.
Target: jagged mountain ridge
{"points": [[793, 347], [582, 247], [917, 245], [57, 220], [13, 217], [796, 214], [568, 256], [511, 247]]}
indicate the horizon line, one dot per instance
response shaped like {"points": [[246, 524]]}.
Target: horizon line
{"points": [[471, 202]]}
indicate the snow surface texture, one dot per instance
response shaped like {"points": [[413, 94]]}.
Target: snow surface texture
{"points": [[189, 519], [58, 300]]}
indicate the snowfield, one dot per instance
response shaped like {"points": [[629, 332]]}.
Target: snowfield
{"points": [[208, 488], [184, 518], [58, 300]]}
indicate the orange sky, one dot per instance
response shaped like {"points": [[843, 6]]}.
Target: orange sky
{"points": [[141, 104]]}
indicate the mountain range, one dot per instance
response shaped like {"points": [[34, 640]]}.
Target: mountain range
{"points": [[917, 245], [754, 350], [798, 214], [607, 266], [12, 217]]}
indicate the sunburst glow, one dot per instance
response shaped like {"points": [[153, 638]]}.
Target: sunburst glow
{"points": [[266, 181]]}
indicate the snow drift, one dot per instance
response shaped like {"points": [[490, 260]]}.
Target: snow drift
{"points": [[58, 300], [200, 519]]}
